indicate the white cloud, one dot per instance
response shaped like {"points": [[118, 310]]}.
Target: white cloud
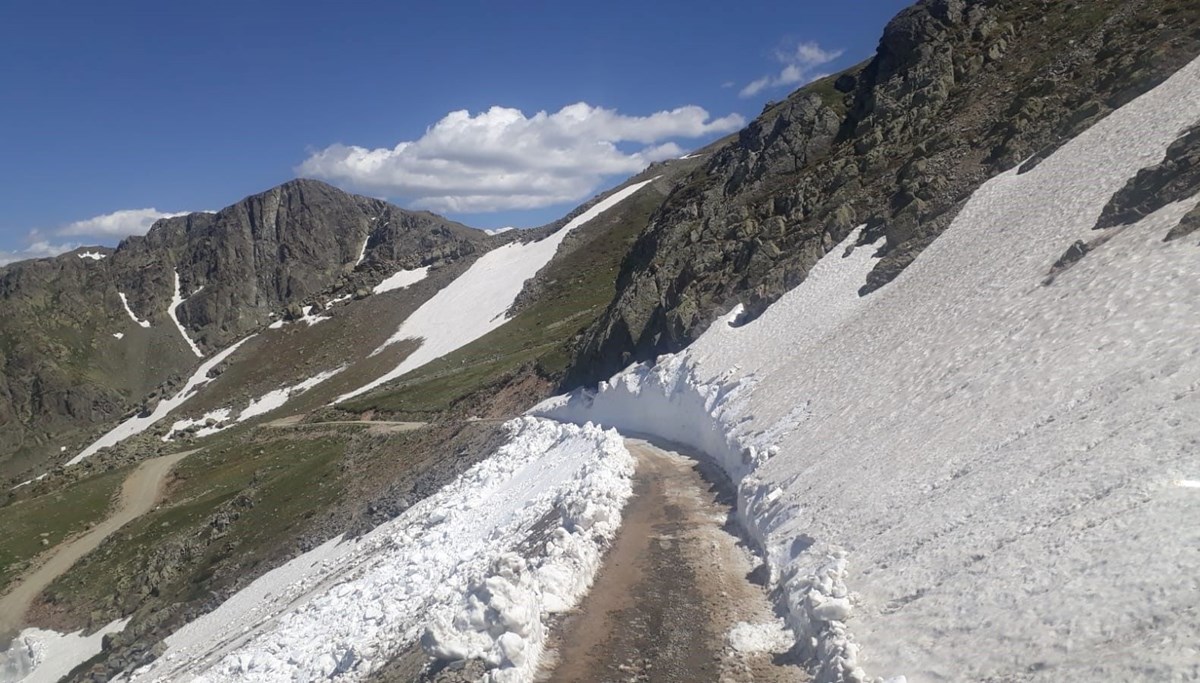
{"points": [[117, 224], [104, 228], [38, 249], [801, 65], [502, 159]]}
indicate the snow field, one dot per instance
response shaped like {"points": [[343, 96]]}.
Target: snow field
{"points": [[477, 301], [138, 424], [447, 569], [975, 473], [40, 656], [401, 279], [177, 301]]}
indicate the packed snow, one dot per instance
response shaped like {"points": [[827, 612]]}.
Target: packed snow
{"points": [[125, 303], [221, 418], [766, 637], [93, 255], [969, 475], [401, 279], [138, 424], [41, 656], [176, 301], [478, 300], [447, 571]]}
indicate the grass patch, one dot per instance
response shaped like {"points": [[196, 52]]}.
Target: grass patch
{"points": [[285, 481], [58, 515]]}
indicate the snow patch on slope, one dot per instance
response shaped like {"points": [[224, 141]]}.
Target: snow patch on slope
{"points": [[138, 424], [93, 255], [477, 301], [402, 279], [217, 420], [448, 565], [125, 303], [988, 463], [41, 656], [176, 302]]}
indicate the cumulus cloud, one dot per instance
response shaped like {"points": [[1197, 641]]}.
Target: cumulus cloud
{"points": [[800, 64], [104, 228], [38, 249], [117, 224], [502, 159]]}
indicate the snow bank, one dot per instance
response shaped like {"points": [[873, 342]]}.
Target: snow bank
{"points": [[447, 568], [974, 471], [125, 303], [138, 424], [176, 302], [477, 301], [401, 279], [40, 656]]}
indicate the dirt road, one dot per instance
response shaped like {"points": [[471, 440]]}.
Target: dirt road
{"points": [[139, 495], [673, 588]]}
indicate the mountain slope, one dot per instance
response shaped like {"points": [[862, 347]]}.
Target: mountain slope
{"points": [[83, 340], [956, 93]]}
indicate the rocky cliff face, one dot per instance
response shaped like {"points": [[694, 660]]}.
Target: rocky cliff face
{"points": [[63, 368], [956, 93]]}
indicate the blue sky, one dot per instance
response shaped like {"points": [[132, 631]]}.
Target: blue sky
{"points": [[115, 113]]}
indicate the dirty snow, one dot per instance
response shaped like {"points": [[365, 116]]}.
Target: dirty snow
{"points": [[138, 424], [41, 656], [402, 279], [478, 300], [93, 255], [968, 475], [446, 569], [766, 637], [176, 302], [125, 303]]}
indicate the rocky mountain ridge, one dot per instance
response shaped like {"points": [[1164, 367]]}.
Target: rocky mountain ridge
{"points": [[956, 93], [73, 355]]}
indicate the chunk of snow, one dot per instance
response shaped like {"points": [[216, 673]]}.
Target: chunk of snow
{"points": [[125, 303], [118, 335], [967, 449], [43, 656], [93, 255], [401, 279], [478, 300], [176, 302], [344, 608], [138, 424], [768, 637]]}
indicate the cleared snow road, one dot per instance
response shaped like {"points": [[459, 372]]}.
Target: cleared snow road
{"points": [[676, 598]]}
